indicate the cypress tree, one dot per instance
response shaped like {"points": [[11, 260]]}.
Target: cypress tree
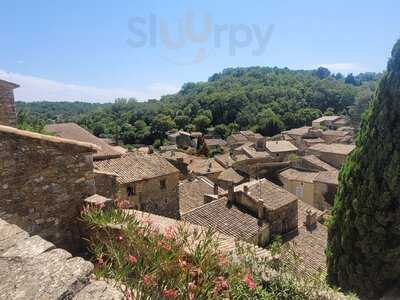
{"points": [[363, 253]]}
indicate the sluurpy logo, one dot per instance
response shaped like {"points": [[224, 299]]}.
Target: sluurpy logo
{"points": [[155, 31]]}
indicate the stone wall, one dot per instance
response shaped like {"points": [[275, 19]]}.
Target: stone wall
{"points": [[43, 182], [106, 184], [8, 115], [151, 195]]}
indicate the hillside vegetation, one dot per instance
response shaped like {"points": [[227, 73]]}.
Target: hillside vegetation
{"points": [[264, 99]]}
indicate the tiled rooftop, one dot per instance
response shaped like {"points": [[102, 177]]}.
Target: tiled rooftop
{"points": [[226, 160], [314, 160], [329, 177], [293, 174], [273, 196], [341, 149], [327, 118], [280, 146], [214, 142], [133, 167], [225, 218], [192, 191], [203, 166], [73, 131], [230, 175], [298, 131]]}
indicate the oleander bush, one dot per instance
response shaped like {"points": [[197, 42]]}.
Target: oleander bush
{"points": [[182, 263]]}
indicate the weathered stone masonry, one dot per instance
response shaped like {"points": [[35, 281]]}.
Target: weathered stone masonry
{"points": [[43, 183], [8, 115]]}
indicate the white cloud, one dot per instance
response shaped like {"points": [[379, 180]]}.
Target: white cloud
{"points": [[344, 67], [35, 89]]}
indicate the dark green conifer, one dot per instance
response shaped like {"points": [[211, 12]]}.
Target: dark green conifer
{"points": [[364, 236]]}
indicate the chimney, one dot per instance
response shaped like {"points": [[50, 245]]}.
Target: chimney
{"points": [[231, 194], [216, 189], [173, 153], [260, 209], [311, 220], [209, 167]]}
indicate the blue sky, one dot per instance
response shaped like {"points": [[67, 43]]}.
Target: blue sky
{"points": [[99, 50]]}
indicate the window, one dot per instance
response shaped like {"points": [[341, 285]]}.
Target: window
{"points": [[130, 191], [163, 184]]}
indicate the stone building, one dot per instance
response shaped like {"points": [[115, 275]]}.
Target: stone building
{"points": [[8, 116], [311, 180], [75, 132], [230, 177], [213, 144], [335, 136], [207, 167], [148, 181], [333, 154], [197, 191], [330, 122], [280, 150], [301, 137], [43, 183], [254, 212]]}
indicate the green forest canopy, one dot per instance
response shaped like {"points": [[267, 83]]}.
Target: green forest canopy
{"points": [[264, 99]]}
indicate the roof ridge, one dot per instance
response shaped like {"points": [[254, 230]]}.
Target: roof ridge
{"points": [[48, 138]]}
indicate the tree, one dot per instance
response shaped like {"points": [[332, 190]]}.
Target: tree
{"points": [[222, 130], [363, 253], [182, 121], [268, 123], [350, 79], [322, 73], [201, 122], [161, 124]]}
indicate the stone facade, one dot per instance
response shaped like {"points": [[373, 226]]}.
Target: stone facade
{"points": [[106, 184], [8, 114], [43, 182], [158, 195]]}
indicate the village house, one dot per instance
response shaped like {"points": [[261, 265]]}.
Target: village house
{"points": [[330, 122], [249, 151], [228, 159], [207, 167], [182, 139], [214, 144], [44, 181], [254, 212], [73, 131], [333, 154], [197, 191], [311, 180], [299, 136], [229, 178], [336, 136], [8, 116], [280, 150], [237, 139], [148, 181]]}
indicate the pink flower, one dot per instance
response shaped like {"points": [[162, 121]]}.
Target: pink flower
{"points": [[167, 247], [170, 293], [132, 259], [100, 205], [191, 286], [169, 233], [223, 261], [129, 295], [148, 280], [248, 279], [220, 285], [183, 263], [120, 238]]}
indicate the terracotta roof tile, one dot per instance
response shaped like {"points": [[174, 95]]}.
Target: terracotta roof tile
{"points": [[329, 177], [192, 191], [214, 142], [273, 196], [133, 167], [280, 146], [230, 175], [75, 132], [203, 166], [293, 174], [314, 160], [225, 218], [333, 148]]}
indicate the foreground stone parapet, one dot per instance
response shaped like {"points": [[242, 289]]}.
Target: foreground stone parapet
{"points": [[99, 290], [32, 268]]}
